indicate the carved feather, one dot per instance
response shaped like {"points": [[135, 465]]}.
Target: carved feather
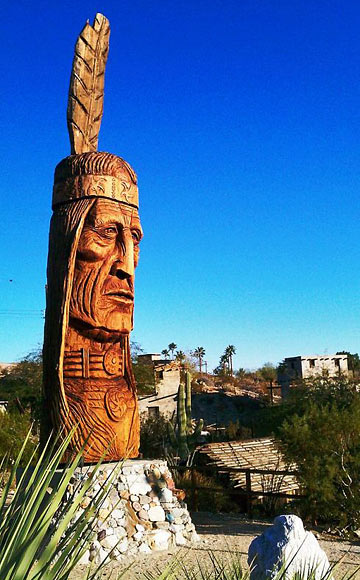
{"points": [[86, 92]]}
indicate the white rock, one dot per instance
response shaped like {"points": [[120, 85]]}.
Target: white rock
{"points": [[123, 546], [166, 496], [146, 507], [109, 542], [286, 543], [120, 532], [85, 558], [194, 537], [127, 470], [100, 556], [179, 539], [117, 514], [140, 528], [156, 514], [175, 528], [95, 546], [138, 484], [144, 549], [137, 536], [159, 539]]}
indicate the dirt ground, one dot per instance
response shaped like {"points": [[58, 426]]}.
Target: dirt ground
{"points": [[224, 535]]}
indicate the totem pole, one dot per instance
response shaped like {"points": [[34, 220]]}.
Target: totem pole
{"points": [[93, 252]]}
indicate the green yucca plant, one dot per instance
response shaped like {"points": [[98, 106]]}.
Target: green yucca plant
{"points": [[32, 546], [214, 567]]}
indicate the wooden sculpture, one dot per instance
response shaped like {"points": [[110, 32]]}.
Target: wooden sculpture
{"points": [[93, 252]]}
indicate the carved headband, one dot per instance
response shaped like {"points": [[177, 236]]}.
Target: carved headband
{"points": [[95, 174]]}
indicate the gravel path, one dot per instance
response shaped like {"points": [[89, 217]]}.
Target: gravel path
{"points": [[224, 535]]}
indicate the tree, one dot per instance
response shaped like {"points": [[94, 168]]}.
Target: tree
{"points": [[323, 439], [353, 362], [267, 372], [229, 353], [199, 353], [153, 435], [143, 372], [222, 369], [21, 384], [180, 356], [165, 353], [172, 346]]}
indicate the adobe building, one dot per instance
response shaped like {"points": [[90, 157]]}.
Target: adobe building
{"points": [[167, 379], [306, 367]]}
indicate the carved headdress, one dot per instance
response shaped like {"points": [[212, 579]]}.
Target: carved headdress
{"points": [[86, 172]]}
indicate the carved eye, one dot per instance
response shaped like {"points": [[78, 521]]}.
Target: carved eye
{"points": [[111, 231], [136, 235]]}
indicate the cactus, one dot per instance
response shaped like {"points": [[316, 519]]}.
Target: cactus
{"points": [[182, 434]]}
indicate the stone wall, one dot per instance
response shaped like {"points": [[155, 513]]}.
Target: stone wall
{"points": [[164, 398], [142, 512]]}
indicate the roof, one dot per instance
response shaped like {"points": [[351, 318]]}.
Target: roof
{"points": [[259, 453], [321, 356]]}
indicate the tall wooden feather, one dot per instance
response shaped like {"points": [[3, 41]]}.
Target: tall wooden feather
{"points": [[86, 91]]}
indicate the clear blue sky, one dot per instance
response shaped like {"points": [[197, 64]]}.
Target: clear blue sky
{"points": [[242, 120]]}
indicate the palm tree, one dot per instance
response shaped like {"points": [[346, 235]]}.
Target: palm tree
{"points": [[223, 363], [180, 356], [199, 353], [229, 353], [172, 346], [165, 353]]}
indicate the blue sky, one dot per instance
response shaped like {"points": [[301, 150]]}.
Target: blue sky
{"points": [[242, 120]]}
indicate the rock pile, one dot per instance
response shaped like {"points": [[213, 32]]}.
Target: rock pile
{"points": [[142, 512]]}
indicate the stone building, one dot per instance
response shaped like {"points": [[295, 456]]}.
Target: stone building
{"points": [[306, 367], [167, 379]]}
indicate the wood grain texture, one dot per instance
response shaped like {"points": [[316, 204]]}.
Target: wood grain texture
{"points": [[93, 252], [86, 92], [88, 378]]}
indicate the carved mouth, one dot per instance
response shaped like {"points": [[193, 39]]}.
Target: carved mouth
{"points": [[121, 295]]}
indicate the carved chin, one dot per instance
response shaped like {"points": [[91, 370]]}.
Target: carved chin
{"points": [[119, 321], [105, 324]]}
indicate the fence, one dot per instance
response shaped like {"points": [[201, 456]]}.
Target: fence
{"points": [[247, 493]]}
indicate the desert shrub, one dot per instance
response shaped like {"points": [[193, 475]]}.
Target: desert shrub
{"points": [[143, 372], [153, 435], [323, 439], [14, 428], [235, 431], [20, 385], [204, 500]]}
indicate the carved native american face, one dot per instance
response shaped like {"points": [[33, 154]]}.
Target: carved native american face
{"points": [[102, 298]]}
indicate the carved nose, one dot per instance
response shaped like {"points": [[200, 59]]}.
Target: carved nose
{"points": [[124, 265]]}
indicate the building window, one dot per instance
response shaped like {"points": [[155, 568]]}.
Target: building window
{"points": [[292, 366], [337, 362], [312, 363], [159, 375], [154, 412]]}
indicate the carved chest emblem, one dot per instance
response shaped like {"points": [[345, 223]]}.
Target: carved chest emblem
{"points": [[117, 402], [113, 362]]}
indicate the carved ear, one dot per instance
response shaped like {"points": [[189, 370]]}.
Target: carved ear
{"points": [[86, 91]]}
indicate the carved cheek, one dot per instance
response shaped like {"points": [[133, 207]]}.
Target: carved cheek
{"points": [[136, 255], [91, 251]]}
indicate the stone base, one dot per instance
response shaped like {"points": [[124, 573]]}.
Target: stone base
{"points": [[141, 512]]}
